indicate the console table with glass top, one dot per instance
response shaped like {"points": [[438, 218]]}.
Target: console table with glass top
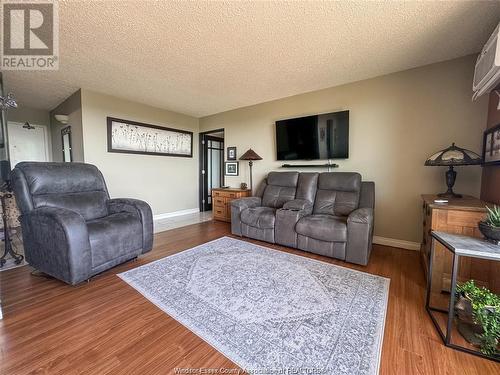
{"points": [[441, 306]]}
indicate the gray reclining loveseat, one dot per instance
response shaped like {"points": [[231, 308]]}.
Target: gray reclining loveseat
{"points": [[327, 213], [71, 229]]}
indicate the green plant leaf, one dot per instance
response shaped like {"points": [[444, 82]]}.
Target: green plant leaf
{"points": [[493, 216], [485, 312]]}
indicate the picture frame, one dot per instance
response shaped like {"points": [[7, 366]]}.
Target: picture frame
{"points": [[231, 153], [132, 137], [231, 168], [491, 146]]}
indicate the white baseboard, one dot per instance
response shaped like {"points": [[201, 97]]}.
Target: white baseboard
{"points": [[408, 245], [402, 244], [175, 213]]}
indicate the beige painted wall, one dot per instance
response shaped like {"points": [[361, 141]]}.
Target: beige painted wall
{"points": [[71, 107], [32, 115], [396, 121], [167, 183]]}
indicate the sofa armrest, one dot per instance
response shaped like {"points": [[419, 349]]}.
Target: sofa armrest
{"points": [[287, 218], [56, 242], [299, 204], [359, 236], [367, 195], [237, 207], [247, 202], [361, 216], [144, 214]]}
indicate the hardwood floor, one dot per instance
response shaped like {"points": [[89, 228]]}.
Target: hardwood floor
{"points": [[106, 327]]}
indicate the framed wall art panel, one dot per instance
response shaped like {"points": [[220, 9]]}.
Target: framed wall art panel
{"points": [[133, 137]]}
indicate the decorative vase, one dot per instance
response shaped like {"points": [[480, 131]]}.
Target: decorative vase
{"points": [[243, 186], [490, 232]]}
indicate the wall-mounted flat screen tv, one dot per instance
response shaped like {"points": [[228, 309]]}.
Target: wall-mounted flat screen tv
{"points": [[315, 137]]}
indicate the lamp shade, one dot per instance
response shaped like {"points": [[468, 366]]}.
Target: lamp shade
{"points": [[250, 155], [453, 156]]}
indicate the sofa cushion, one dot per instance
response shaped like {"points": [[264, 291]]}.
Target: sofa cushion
{"points": [[259, 217], [47, 178], [281, 188], [114, 236], [277, 196], [307, 186], [340, 181], [323, 227], [75, 186], [338, 193], [90, 204], [285, 179]]}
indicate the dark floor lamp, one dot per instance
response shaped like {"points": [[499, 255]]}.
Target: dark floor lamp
{"points": [[250, 155], [453, 156], [6, 102]]}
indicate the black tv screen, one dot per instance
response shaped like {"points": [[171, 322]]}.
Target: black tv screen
{"points": [[323, 136]]}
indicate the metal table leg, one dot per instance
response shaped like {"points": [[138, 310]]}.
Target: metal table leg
{"points": [[451, 308]]}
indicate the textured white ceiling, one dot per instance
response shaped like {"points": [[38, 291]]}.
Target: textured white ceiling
{"points": [[203, 57]]}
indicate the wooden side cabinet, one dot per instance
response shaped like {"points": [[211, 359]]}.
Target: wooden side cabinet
{"points": [[221, 202], [458, 216]]}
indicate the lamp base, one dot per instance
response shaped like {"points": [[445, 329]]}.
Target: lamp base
{"points": [[250, 163], [451, 176], [449, 195]]}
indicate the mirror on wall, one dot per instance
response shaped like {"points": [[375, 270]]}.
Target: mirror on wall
{"points": [[66, 144]]}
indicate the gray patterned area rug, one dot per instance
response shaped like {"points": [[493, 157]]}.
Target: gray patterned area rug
{"points": [[271, 312]]}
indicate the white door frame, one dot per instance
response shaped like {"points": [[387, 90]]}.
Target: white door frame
{"points": [[46, 137]]}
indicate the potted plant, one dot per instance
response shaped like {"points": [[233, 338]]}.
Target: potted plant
{"points": [[490, 227], [479, 309]]}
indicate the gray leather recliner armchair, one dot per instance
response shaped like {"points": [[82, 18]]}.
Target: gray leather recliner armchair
{"points": [[71, 229], [331, 215]]}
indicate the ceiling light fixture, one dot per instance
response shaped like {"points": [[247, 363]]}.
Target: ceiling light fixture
{"points": [[63, 119], [28, 126], [7, 102]]}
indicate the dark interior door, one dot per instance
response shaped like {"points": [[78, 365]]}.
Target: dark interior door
{"points": [[212, 168]]}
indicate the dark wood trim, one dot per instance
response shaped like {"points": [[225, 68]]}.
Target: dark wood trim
{"points": [[206, 150], [490, 179], [201, 181], [64, 131], [492, 131], [202, 157], [110, 120]]}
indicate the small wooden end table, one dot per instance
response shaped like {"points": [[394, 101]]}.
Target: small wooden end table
{"points": [[459, 246]]}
